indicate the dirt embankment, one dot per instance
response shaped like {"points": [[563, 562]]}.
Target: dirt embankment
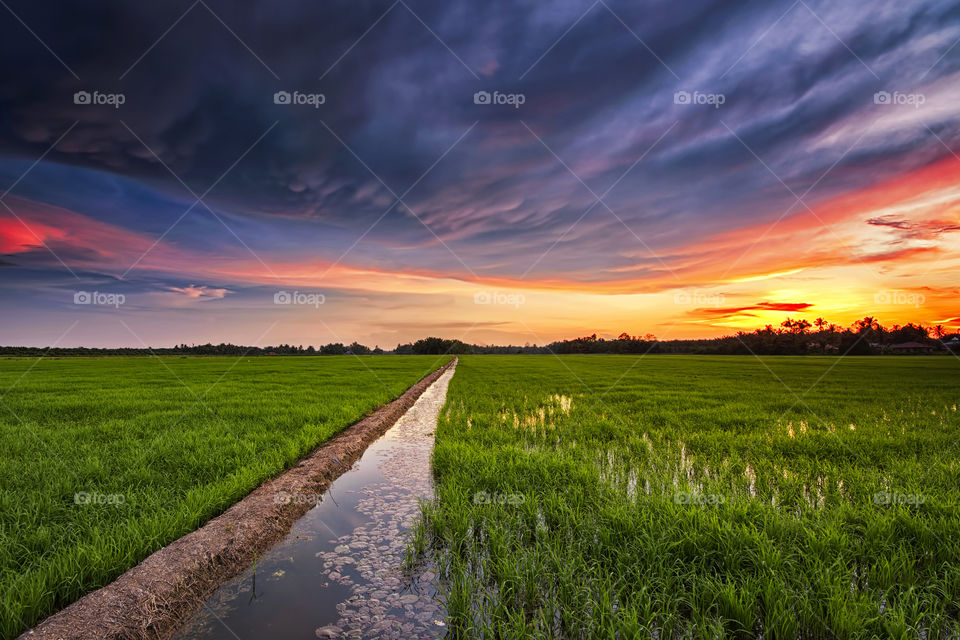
{"points": [[151, 599]]}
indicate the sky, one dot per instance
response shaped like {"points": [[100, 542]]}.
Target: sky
{"points": [[499, 172]]}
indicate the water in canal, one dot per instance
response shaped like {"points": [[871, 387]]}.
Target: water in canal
{"points": [[338, 573]]}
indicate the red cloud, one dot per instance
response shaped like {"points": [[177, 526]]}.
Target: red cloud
{"points": [[727, 312], [76, 239], [18, 237]]}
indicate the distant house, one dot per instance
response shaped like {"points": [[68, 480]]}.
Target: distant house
{"points": [[911, 348]]}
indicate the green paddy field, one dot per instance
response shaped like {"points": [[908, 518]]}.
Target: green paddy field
{"points": [[577, 496], [105, 460], [713, 497]]}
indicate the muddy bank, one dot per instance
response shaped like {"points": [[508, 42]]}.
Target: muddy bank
{"points": [[340, 572], [151, 599]]}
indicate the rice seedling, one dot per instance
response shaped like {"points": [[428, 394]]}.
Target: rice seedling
{"points": [[106, 460], [676, 496]]}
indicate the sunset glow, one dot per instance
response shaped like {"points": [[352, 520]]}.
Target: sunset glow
{"points": [[605, 202]]}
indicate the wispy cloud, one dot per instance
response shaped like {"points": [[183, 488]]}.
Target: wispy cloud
{"points": [[202, 292]]}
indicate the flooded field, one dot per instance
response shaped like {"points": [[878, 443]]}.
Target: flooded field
{"points": [[681, 496], [340, 572]]}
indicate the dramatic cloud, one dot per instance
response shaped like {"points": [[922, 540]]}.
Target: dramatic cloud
{"points": [[432, 148]]}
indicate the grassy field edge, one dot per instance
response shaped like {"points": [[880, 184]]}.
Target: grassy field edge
{"points": [[130, 542]]}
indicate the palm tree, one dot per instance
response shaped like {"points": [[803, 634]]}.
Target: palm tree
{"points": [[866, 325]]}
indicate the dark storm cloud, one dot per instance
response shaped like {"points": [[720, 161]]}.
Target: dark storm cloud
{"points": [[599, 96]]}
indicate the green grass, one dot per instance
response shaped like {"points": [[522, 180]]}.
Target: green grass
{"points": [[160, 446], [681, 496]]}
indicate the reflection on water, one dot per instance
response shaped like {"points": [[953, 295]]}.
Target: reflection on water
{"points": [[338, 572]]}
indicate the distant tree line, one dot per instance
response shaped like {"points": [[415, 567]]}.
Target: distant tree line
{"points": [[222, 349], [434, 346], [792, 337]]}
